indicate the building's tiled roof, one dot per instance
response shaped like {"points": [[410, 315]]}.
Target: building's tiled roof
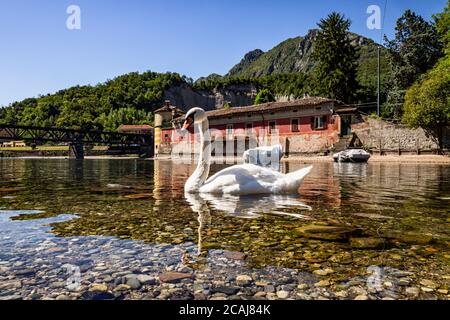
{"points": [[346, 110], [271, 106], [135, 127]]}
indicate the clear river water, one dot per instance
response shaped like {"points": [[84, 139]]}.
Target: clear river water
{"points": [[124, 229]]}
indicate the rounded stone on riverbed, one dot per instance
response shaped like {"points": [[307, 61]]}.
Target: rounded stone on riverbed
{"points": [[174, 277], [283, 294], [372, 216], [320, 232], [341, 294], [243, 280], [133, 281], [428, 283], [225, 290], [323, 283], [146, 280], [98, 287], [234, 255], [323, 272], [269, 288], [412, 291], [122, 287], [367, 243], [302, 286], [88, 295]]}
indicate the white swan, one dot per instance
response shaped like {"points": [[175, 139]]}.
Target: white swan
{"points": [[239, 179]]}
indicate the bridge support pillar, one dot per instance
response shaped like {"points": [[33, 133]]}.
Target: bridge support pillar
{"points": [[77, 151]]}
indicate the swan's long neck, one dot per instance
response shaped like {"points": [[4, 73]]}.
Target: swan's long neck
{"points": [[199, 176]]}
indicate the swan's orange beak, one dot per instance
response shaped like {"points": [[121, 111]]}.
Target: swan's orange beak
{"points": [[187, 123]]}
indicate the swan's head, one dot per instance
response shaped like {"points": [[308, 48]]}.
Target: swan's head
{"points": [[195, 115]]}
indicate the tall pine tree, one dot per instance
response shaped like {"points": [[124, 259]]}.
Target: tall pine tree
{"points": [[337, 59]]}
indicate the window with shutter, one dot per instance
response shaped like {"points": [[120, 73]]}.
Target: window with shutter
{"points": [[249, 128], [319, 122], [229, 131], [272, 127], [294, 125], [325, 121]]}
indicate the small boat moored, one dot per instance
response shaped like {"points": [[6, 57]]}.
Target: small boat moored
{"points": [[352, 155]]}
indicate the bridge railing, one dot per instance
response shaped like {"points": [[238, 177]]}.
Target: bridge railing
{"points": [[41, 134]]}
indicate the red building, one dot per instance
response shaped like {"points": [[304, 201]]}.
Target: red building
{"points": [[308, 125]]}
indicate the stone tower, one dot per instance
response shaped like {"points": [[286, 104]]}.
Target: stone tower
{"points": [[163, 121]]}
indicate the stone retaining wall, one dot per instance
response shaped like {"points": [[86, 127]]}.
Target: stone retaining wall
{"points": [[376, 134]]}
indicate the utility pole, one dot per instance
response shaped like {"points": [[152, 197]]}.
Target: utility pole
{"points": [[379, 83]]}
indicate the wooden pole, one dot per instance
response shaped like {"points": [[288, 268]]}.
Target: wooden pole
{"points": [[379, 82]]}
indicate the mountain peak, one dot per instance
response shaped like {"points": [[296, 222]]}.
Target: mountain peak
{"points": [[294, 55], [253, 55], [248, 59]]}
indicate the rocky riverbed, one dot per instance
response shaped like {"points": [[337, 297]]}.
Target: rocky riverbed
{"points": [[124, 229], [34, 264]]}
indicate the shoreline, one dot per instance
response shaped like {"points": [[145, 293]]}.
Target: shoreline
{"points": [[423, 159], [432, 159]]}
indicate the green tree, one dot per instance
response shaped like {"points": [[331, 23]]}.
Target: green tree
{"points": [[264, 96], [427, 102], [337, 59], [442, 21], [105, 105], [115, 118], [415, 49]]}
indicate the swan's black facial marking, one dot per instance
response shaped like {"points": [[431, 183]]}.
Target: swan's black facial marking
{"points": [[189, 121]]}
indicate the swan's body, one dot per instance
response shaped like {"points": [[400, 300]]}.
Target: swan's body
{"points": [[252, 179], [241, 179]]}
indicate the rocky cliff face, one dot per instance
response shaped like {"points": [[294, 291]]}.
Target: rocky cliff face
{"points": [[185, 97]]}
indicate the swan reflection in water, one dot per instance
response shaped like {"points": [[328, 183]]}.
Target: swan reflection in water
{"points": [[243, 207]]}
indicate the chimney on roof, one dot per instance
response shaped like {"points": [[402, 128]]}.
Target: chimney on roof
{"points": [[167, 103]]}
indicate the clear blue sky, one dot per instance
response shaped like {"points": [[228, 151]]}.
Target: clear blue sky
{"points": [[40, 55]]}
